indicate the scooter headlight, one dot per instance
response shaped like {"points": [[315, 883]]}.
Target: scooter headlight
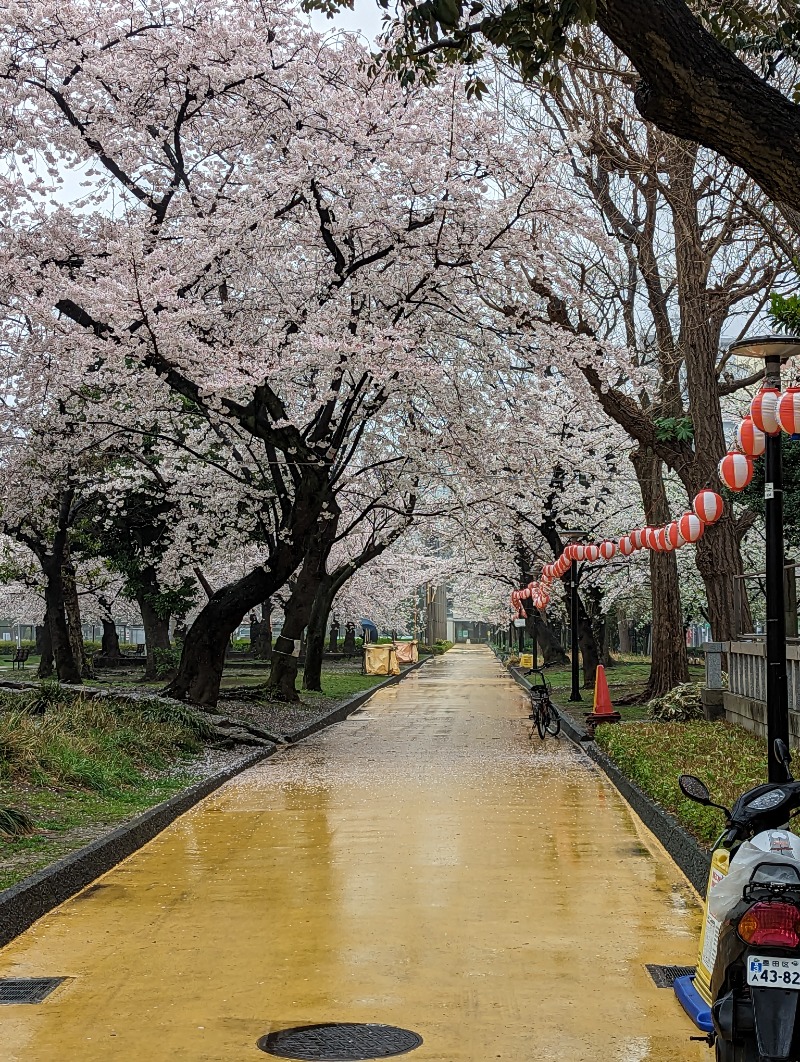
{"points": [[771, 925]]}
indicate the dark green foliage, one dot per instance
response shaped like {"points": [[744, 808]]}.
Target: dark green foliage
{"points": [[167, 661], [176, 714], [15, 823], [753, 494], [784, 311], [677, 429]]}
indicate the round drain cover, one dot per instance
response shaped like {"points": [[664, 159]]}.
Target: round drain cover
{"points": [[339, 1043]]}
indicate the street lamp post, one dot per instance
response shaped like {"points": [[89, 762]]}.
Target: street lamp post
{"points": [[773, 350], [575, 695]]}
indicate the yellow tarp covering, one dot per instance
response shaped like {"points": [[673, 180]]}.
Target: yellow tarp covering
{"points": [[407, 652], [381, 660]]}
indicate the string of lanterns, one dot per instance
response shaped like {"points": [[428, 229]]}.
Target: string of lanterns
{"points": [[707, 508], [771, 412]]}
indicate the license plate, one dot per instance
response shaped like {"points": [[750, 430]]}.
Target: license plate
{"points": [[766, 971]]}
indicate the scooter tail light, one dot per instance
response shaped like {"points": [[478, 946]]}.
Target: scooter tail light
{"points": [[771, 925]]}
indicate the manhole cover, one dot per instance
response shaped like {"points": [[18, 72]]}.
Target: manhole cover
{"points": [[339, 1043], [666, 976], [27, 989]]}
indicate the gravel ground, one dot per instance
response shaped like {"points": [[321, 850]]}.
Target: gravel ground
{"points": [[278, 717]]}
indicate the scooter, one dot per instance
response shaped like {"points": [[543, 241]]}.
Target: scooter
{"points": [[746, 988]]}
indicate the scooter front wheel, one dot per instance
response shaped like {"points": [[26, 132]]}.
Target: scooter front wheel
{"points": [[739, 1051]]}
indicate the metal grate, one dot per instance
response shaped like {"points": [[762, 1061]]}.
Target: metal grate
{"points": [[27, 989], [666, 976], [339, 1042]]}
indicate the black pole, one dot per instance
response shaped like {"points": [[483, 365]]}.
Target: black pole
{"points": [[573, 594], [777, 693]]}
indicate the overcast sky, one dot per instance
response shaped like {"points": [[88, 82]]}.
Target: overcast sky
{"points": [[364, 18]]}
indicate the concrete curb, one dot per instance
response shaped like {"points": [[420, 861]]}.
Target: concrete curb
{"points": [[34, 896], [689, 854]]}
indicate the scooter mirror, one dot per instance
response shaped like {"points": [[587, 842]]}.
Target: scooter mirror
{"points": [[694, 789], [783, 756]]}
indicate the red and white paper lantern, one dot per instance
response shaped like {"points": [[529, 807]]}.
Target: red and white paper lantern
{"points": [[789, 411], [691, 527], [735, 470], [579, 551], [764, 410], [708, 506], [607, 549], [750, 439], [626, 546], [637, 538], [673, 535], [592, 553]]}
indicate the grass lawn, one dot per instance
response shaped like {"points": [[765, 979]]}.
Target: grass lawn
{"points": [[343, 684], [627, 679], [728, 758]]}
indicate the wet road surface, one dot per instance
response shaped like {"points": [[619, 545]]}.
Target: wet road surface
{"points": [[424, 864]]}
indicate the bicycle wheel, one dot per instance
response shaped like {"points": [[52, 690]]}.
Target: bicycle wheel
{"points": [[553, 721], [540, 711]]}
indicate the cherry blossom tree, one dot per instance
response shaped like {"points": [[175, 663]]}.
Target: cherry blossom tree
{"points": [[294, 247]]}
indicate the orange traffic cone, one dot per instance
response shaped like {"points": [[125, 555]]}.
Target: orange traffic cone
{"points": [[603, 710]]}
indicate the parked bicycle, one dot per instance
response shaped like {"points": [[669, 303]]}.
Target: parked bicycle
{"points": [[544, 715]]}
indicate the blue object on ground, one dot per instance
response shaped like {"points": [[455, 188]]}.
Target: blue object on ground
{"points": [[693, 1003]]}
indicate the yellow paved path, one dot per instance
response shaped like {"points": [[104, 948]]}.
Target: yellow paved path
{"points": [[424, 864]]}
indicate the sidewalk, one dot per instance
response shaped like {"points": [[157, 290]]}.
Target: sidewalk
{"points": [[423, 864]]}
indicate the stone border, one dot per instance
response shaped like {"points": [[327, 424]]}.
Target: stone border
{"points": [[689, 854], [22, 904]]}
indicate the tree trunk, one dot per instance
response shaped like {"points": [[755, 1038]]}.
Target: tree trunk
{"points": [[156, 634], [72, 610], [317, 626], [203, 657], [669, 664], [623, 626], [109, 646], [265, 649], [696, 88], [67, 667], [44, 648], [543, 635], [297, 614]]}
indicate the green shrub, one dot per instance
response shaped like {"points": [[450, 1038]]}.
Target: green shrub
{"points": [[679, 705], [438, 648], [167, 661], [9, 648], [240, 645]]}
